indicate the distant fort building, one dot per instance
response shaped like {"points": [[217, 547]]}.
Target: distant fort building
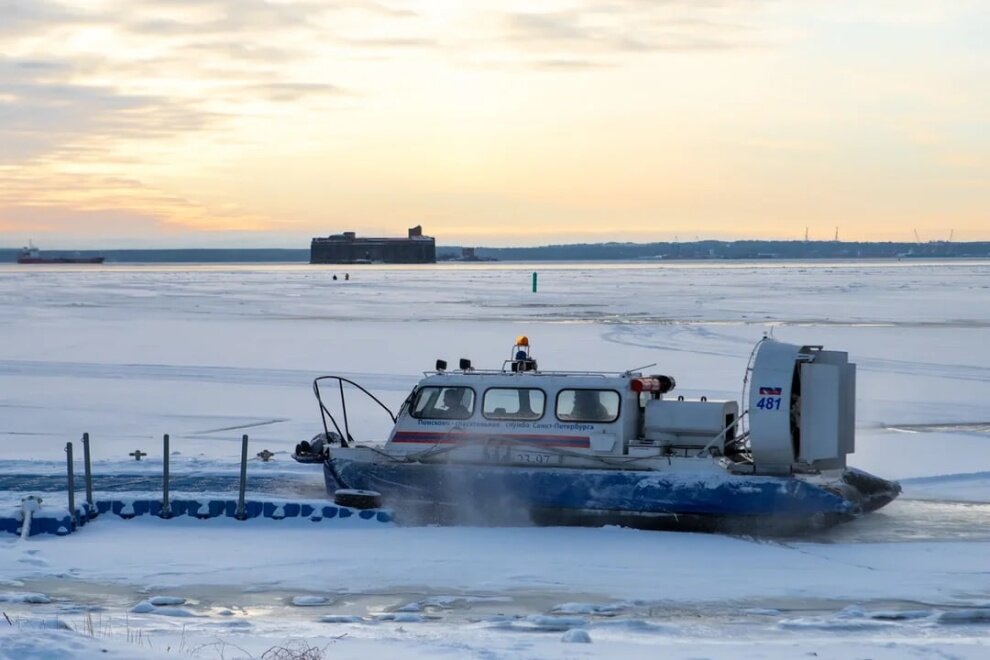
{"points": [[347, 248]]}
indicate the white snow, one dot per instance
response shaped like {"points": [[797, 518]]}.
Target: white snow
{"points": [[150, 607], [576, 636], [24, 597], [209, 353], [309, 601], [341, 618], [158, 601]]}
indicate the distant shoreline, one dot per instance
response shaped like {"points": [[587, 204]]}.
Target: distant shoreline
{"points": [[646, 252]]}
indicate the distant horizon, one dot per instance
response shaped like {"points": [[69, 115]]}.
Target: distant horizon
{"points": [[449, 246], [609, 252]]}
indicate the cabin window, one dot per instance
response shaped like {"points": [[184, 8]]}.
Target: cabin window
{"points": [[514, 403], [588, 406], [443, 403]]}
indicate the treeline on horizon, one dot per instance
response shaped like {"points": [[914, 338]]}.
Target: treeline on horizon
{"points": [[754, 249], [750, 249]]}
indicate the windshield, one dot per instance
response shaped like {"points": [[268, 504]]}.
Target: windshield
{"points": [[514, 403], [443, 403], [588, 405]]}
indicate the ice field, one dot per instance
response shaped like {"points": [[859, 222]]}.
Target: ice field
{"points": [[208, 353]]}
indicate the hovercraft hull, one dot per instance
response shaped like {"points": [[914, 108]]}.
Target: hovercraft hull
{"points": [[449, 493]]}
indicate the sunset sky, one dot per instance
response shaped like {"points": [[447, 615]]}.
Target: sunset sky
{"points": [[131, 123]]}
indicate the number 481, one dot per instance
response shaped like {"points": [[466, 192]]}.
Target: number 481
{"points": [[768, 403]]}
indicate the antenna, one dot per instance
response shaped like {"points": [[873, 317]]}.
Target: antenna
{"points": [[916, 237], [805, 234], [836, 234], [629, 372], [951, 232]]}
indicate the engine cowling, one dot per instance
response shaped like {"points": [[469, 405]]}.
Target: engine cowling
{"points": [[802, 407]]}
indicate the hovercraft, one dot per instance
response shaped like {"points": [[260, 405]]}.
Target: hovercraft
{"points": [[519, 445]]}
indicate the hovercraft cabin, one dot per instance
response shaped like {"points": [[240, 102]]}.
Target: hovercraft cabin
{"points": [[347, 248]]}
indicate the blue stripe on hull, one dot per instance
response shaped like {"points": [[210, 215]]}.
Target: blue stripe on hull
{"points": [[629, 492]]}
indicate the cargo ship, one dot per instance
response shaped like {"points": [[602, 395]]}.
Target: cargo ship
{"points": [[32, 255]]}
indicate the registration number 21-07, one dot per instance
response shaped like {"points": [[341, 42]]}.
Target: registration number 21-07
{"points": [[768, 403], [526, 457]]}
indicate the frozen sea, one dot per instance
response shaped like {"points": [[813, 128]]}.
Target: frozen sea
{"points": [[208, 353]]}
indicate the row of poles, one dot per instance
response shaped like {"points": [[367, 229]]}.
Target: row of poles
{"points": [[240, 514]]}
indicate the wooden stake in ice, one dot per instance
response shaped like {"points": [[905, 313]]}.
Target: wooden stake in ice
{"points": [[71, 485], [241, 513], [29, 505], [88, 475], [166, 509]]}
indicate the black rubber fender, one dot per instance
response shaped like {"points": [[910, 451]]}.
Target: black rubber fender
{"points": [[357, 499]]}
